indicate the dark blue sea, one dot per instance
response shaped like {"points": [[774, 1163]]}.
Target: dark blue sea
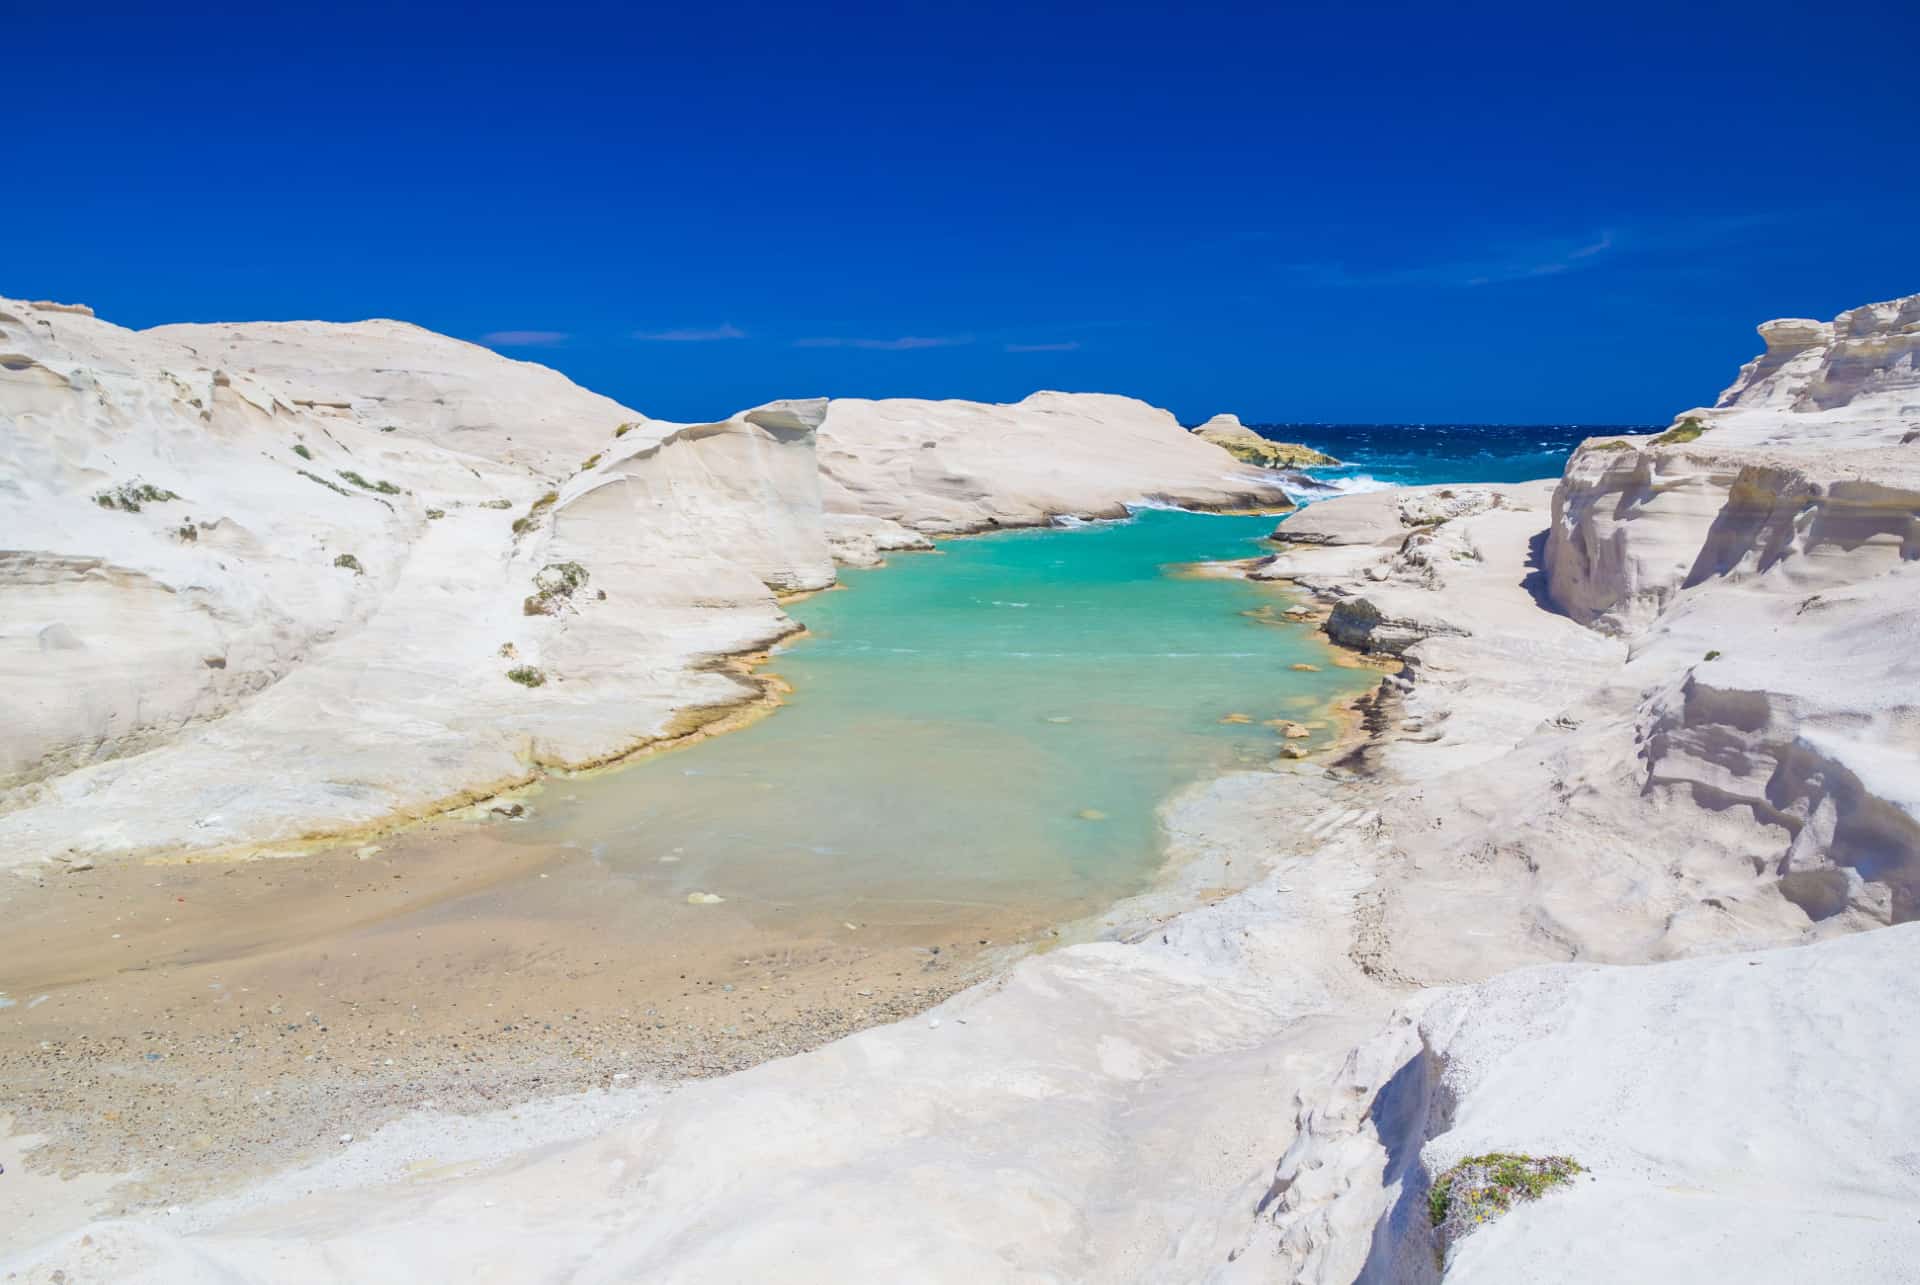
{"points": [[1412, 454]]}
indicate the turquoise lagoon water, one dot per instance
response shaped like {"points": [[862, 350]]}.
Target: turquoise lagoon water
{"points": [[994, 723]]}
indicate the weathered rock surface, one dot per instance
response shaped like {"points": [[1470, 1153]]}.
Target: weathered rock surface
{"points": [[1746, 778], [1684, 1090], [858, 540], [949, 467], [1247, 446], [337, 582]]}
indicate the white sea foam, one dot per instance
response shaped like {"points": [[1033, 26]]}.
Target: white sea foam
{"points": [[1357, 483]]}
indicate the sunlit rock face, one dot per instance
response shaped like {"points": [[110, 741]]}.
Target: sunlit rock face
{"points": [[942, 467], [323, 547]]}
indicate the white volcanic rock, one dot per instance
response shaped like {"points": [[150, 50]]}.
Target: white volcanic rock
{"points": [[1737, 1120], [858, 540], [1771, 568], [1793, 466], [154, 660], [947, 467]]}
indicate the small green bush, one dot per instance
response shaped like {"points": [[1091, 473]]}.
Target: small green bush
{"points": [[1481, 1188], [384, 488], [555, 583], [623, 430], [496, 504], [525, 524], [335, 487], [300, 449], [1712, 655], [129, 496], [350, 562], [436, 514], [526, 676], [1687, 430], [590, 461]]}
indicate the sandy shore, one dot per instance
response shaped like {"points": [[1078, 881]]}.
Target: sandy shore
{"points": [[204, 1022]]}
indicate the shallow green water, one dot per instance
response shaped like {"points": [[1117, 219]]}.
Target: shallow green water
{"points": [[993, 723]]}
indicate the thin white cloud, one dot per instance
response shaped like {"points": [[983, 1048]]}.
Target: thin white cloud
{"points": [[1071, 345], [1512, 263], [906, 343], [1646, 242], [524, 338], [691, 334]]}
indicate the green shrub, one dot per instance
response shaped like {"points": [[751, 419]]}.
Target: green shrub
{"points": [[555, 584], [526, 676], [1481, 1188], [385, 488], [350, 562], [496, 504], [590, 461], [1687, 430], [300, 449], [623, 430], [129, 496], [1712, 655], [1614, 445], [335, 487], [525, 524]]}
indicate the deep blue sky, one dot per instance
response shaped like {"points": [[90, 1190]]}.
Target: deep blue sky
{"points": [[1375, 211]]}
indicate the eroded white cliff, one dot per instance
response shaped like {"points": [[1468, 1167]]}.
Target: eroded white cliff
{"points": [[276, 580]]}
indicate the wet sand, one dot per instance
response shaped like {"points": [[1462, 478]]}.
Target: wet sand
{"points": [[199, 1023]]}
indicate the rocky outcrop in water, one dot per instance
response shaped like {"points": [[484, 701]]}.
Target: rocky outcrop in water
{"points": [[1247, 446]]}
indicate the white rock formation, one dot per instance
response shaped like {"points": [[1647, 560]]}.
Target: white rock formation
{"points": [[1747, 778], [1737, 1121], [337, 583], [948, 467]]}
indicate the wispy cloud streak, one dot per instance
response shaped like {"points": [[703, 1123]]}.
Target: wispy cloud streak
{"points": [[691, 334], [524, 338], [1071, 345], [906, 343], [1643, 242]]}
